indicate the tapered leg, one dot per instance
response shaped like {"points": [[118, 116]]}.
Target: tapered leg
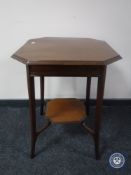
{"points": [[31, 92], [87, 102], [99, 101], [41, 95]]}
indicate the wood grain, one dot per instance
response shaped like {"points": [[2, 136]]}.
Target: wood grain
{"points": [[66, 51], [65, 111]]}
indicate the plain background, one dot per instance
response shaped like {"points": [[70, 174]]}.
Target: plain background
{"points": [[108, 20]]}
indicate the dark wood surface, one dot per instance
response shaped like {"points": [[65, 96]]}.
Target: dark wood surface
{"points": [[42, 104], [66, 51], [81, 57], [68, 70]]}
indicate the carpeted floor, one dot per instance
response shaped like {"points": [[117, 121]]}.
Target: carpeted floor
{"points": [[63, 149]]}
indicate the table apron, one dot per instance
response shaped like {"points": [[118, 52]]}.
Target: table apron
{"points": [[65, 70]]}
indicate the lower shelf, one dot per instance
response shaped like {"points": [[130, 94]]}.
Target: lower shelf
{"points": [[65, 110]]}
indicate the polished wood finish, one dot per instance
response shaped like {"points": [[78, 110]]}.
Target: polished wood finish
{"points": [[88, 87], [71, 57], [31, 91], [65, 111], [66, 70], [32, 107], [99, 101], [91, 71], [66, 51], [42, 105]]}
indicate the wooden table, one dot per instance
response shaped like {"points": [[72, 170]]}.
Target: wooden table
{"points": [[66, 57]]}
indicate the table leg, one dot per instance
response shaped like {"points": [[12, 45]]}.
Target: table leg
{"points": [[31, 92], [41, 95], [99, 101], [87, 102]]}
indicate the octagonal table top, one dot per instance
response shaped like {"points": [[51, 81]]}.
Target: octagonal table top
{"points": [[66, 51]]}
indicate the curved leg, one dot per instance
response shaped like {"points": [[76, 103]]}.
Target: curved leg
{"points": [[89, 130], [44, 128]]}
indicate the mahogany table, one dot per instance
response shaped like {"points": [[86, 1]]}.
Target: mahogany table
{"points": [[66, 57]]}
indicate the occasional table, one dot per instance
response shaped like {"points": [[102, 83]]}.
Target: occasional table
{"points": [[66, 57]]}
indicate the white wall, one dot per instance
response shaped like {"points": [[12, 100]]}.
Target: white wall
{"points": [[20, 20]]}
